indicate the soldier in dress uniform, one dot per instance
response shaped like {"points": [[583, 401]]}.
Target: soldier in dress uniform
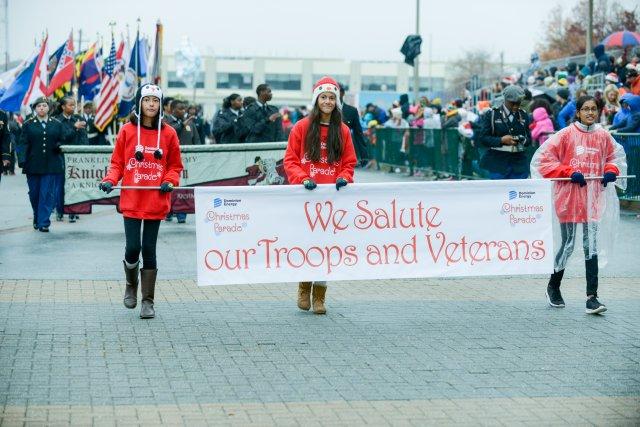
{"points": [[505, 131], [5, 143], [77, 126], [94, 136], [40, 158]]}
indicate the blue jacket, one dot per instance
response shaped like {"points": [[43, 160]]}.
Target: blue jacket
{"points": [[631, 124], [567, 114]]}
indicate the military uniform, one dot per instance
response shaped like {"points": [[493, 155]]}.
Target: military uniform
{"points": [[78, 137], [257, 127], [41, 160], [505, 162], [5, 141]]}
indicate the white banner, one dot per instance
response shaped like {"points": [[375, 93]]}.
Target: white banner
{"points": [[276, 234]]}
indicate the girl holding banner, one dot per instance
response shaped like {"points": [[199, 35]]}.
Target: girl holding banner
{"points": [[320, 151], [581, 150], [146, 154]]}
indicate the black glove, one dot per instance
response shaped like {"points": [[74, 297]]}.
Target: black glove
{"points": [[166, 187], [106, 186], [309, 184], [578, 178], [341, 182], [608, 177], [57, 149]]}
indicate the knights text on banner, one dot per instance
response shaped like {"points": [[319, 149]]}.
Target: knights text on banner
{"points": [[219, 165], [373, 231]]}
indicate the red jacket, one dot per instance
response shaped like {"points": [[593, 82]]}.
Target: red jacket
{"points": [[145, 204], [574, 149], [298, 167]]}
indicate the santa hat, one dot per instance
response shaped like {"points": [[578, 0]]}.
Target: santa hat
{"points": [[155, 91], [326, 84], [611, 77]]}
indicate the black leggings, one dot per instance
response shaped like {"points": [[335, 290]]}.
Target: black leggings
{"points": [[568, 232], [147, 244]]}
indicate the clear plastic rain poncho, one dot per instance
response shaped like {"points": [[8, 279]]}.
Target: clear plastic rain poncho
{"points": [[592, 211]]}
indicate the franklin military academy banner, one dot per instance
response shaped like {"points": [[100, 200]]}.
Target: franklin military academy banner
{"points": [[219, 165], [272, 234]]}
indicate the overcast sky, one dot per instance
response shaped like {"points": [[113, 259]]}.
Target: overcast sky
{"points": [[346, 29]]}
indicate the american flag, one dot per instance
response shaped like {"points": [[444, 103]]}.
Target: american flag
{"points": [[108, 97]]}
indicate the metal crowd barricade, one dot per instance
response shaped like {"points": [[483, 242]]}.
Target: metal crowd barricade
{"points": [[631, 144], [441, 153], [445, 154]]}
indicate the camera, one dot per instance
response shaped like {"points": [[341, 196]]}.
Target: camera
{"points": [[520, 140]]}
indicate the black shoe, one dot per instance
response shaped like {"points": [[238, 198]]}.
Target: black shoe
{"points": [[554, 297], [59, 217], [35, 225], [182, 220], [72, 218], [169, 218], [594, 306], [44, 229]]}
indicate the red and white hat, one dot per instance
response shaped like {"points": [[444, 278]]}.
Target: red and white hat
{"points": [[326, 84]]}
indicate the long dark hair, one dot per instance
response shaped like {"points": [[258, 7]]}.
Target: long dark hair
{"points": [[334, 138]]}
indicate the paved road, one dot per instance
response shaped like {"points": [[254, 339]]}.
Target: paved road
{"points": [[410, 352]]}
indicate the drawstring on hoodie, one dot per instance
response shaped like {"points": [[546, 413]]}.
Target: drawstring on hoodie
{"points": [[139, 154]]}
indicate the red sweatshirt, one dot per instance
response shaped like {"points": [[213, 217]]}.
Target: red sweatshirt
{"points": [[298, 166], [145, 204]]}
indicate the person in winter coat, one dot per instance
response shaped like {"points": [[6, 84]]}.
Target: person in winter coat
{"points": [[225, 123], [5, 144], [351, 118], [77, 127], [40, 157], [631, 123], [146, 153], [581, 150], [504, 131], [624, 111], [261, 122], [183, 124], [612, 104], [602, 59], [541, 127], [320, 151]]}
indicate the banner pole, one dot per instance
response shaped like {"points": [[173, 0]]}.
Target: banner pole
{"points": [[142, 187]]}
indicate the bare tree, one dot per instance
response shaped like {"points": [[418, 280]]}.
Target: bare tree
{"points": [[566, 36], [474, 63]]}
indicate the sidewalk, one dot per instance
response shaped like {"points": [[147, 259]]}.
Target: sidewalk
{"points": [[403, 353]]}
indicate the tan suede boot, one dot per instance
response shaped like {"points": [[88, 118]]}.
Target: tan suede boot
{"points": [[304, 295], [131, 289], [318, 299]]}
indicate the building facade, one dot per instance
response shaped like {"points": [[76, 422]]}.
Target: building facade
{"points": [[292, 79]]}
